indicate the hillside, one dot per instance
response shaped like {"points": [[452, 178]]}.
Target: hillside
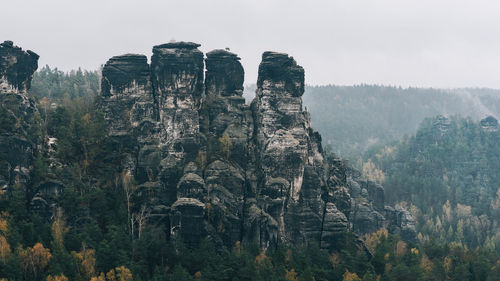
{"points": [[447, 175], [352, 118], [161, 171]]}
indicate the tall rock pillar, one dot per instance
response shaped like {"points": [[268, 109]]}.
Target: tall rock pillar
{"points": [[17, 112], [281, 135], [177, 72], [129, 106], [226, 122], [293, 176]]}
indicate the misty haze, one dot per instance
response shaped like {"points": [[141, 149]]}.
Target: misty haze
{"points": [[249, 140]]}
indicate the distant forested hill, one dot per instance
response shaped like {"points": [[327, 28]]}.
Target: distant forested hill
{"points": [[447, 175], [351, 118], [92, 235]]}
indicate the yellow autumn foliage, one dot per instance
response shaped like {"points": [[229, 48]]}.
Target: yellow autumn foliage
{"points": [[348, 276], [86, 260], [57, 278], [414, 251], [371, 172], [59, 228], [400, 248], [335, 259], [261, 259], [291, 275], [34, 260], [98, 278], [197, 276], [372, 239], [426, 264], [4, 249], [119, 274], [3, 225]]}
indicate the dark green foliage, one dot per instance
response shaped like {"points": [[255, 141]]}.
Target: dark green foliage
{"points": [[93, 207], [448, 175], [7, 120], [58, 85]]}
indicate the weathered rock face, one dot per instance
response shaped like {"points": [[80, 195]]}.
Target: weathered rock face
{"points": [[280, 122], [177, 73], [46, 192], [224, 112], [441, 125], [220, 169], [224, 75], [293, 189], [489, 124], [16, 67], [177, 77], [17, 113], [187, 220], [227, 125], [129, 106], [126, 94], [401, 222], [206, 164], [368, 211]]}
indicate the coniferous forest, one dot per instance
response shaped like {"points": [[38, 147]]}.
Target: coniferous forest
{"points": [[76, 214], [448, 175], [249, 140], [433, 174]]}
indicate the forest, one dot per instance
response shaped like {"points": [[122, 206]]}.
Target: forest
{"points": [[447, 175], [93, 235]]}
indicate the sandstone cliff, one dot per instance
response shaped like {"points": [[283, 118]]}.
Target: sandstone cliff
{"points": [[17, 112], [203, 162], [226, 170]]}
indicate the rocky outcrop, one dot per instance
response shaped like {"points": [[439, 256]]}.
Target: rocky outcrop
{"points": [[293, 187], [129, 106], [16, 68], [489, 124], [368, 211], [227, 125], [258, 170], [127, 98], [203, 163], [401, 222], [177, 76], [187, 221], [441, 124], [226, 120], [17, 114], [226, 170]]}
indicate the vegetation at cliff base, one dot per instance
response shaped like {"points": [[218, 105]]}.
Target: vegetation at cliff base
{"points": [[446, 176]]}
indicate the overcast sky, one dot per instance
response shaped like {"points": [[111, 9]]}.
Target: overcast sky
{"points": [[431, 43]]}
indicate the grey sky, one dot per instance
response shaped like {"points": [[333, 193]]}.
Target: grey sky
{"points": [[438, 43]]}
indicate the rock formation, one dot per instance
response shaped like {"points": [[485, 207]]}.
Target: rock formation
{"points": [[226, 170], [129, 105], [489, 124], [203, 162], [291, 169], [17, 113]]}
